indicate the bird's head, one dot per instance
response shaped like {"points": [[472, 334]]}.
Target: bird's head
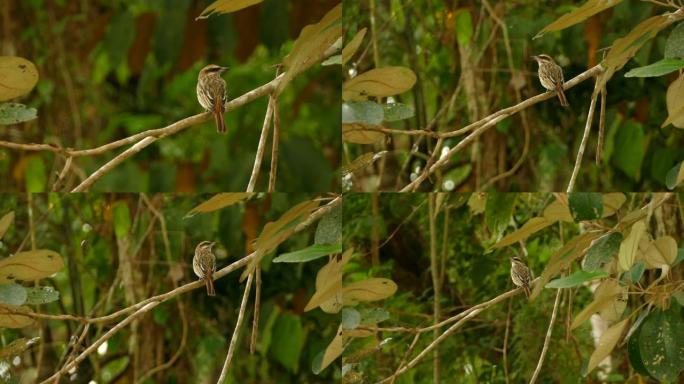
{"points": [[204, 246], [212, 69], [541, 59]]}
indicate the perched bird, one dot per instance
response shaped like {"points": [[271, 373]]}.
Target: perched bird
{"points": [[551, 76], [204, 264], [520, 274], [212, 93]]}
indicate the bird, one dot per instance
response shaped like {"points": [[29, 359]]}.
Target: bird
{"points": [[212, 93], [204, 264], [551, 76], [520, 274]]}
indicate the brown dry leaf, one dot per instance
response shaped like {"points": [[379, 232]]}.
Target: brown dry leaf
{"points": [[588, 9], [30, 265], [624, 48], [18, 76], [358, 133], [5, 223], [615, 308], [630, 245], [612, 202], [10, 316], [558, 211], [379, 82], [660, 253], [219, 201], [328, 293], [563, 257], [275, 232], [373, 289], [533, 225], [349, 50], [605, 294], [360, 162], [312, 44], [675, 103], [226, 6], [606, 344], [334, 350]]}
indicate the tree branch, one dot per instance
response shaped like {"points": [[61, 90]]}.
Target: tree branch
{"points": [[547, 339], [236, 331]]}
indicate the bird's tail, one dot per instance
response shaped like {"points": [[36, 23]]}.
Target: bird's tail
{"points": [[526, 288], [209, 281], [220, 123], [561, 97]]}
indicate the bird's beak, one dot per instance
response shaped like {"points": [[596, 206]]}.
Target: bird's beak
{"points": [[223, 69], [534, 57], [212, 244]]}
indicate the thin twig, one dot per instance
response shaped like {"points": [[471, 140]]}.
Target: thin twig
{"points": [[274, 149], [505, 345], [257, 306], [602, 126], [262, 144], [406, 355], [62, 174], [583, 144], [434, 269], [236, 331], [547, 340]]}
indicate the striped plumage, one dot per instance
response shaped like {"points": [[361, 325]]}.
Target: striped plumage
{"points": [[551, 76], [212, 93], [520, 274], [204, 264]]}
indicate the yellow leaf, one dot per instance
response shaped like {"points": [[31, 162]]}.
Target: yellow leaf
{"points": [[580, 14], [5, 223], [675, 103], [477, 202], [661, 252], [18, 76], [372, 289], [30, 265], [226, 6], [558, 211], [379, 82], [362, 162], [328, 293], [604, 295], [219, 201], [334, 350], [533, 225], [606, 344], [311, 45], [630, 245], [612, 202], [359, 133], [11, 316], [562, 258], [349, 50], [613, 310]]}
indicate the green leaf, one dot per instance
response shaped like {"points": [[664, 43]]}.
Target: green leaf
{"points": [[309, 253], [36, 175], [675, 175], [368, 112], [498, 211], [679, 258], [674, 45], [12, 294], [373, 315], [635, 354], [288, 340], [661, 341], [41, 295], [13, 113], [577, 278], [464, 26], [329, 229], [586, 205], [122, 219], [351, 318], [456, 177], [659, 68], [601, 251], [397, 111], [629, 148], [634, 274]]}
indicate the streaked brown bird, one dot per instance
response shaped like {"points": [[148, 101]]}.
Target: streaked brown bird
{"points": [[551, 76], [204, 264], [212, 93], [520, 274]]}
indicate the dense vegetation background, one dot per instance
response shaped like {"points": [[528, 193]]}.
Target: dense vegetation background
{"points": [[114, 253], [110, 69], [478, 52], [392, 238]]}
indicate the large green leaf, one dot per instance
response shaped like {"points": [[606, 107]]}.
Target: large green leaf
{"points": [[368, 112], [659, 68], [629, 149], [309, 253], [498, 211], [577, 278], [287, 341], [329, 229], [122, 219], [41, 295], [13, 113], [12, 294], [397, 111], [586, 205], [601, 251], [674, 45], [661, 342]]}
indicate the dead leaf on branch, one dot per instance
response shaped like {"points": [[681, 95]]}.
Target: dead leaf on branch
{"points": [[11, 316], [30, 265], [350, 49], [226, 6], [5, 223], [18, 76], [359, 133], [675, 103], [379, 82], [587, 10], [219, 201]]}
